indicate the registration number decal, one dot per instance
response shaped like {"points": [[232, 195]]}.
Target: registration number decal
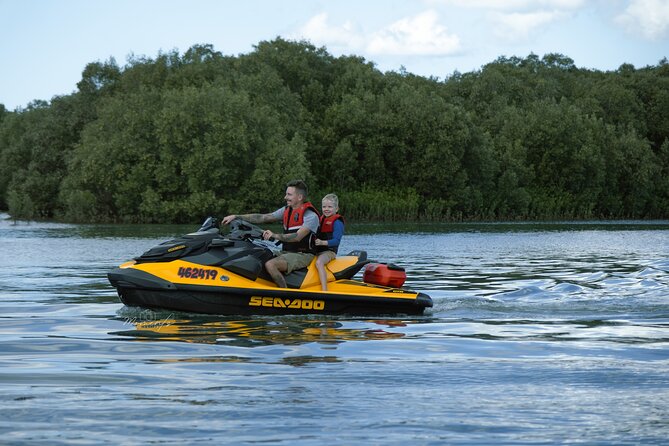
{"points": [[277, 302], [189, 272]]}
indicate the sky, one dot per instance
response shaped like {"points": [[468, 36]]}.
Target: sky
{"points": [[45, 44]]}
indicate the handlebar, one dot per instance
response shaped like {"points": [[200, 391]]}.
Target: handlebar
{"points": [[243, 230]]}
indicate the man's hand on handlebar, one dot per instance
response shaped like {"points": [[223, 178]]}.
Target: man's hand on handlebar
{"points": [[228, 218]]}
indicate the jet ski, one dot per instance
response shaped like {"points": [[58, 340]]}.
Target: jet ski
{"points": [[212, 273]]}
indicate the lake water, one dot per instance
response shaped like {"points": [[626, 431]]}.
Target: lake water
{"points": [[548, 333]]}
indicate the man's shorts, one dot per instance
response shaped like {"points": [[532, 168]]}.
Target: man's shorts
{"points": [[296, 260]]}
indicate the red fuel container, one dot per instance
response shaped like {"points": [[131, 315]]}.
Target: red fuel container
{"points": [[384, 274]]}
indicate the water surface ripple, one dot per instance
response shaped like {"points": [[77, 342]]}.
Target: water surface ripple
{"points": [[547, 333]]}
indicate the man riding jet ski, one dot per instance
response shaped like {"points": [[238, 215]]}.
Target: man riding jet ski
{"points": [[300, 224]]}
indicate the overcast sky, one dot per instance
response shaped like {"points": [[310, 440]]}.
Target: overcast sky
{"points": [[45, 44]]}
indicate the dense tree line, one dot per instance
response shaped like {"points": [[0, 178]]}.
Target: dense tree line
{"points": [[177, 137]]}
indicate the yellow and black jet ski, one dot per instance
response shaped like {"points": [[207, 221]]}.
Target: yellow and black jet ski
{"points": [[207, 272]]}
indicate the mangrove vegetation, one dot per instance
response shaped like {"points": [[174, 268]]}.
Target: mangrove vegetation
{"points": [[180, 136]]}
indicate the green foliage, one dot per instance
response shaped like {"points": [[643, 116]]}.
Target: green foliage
{"points": [[178, 137], [20, 205], [392, 204]]}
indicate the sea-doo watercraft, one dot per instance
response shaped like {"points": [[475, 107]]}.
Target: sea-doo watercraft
{"points": [[207, 272]]}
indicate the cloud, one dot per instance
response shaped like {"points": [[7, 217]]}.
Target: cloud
{"points": [[650, 18], [516, 20], [516, 5], [319, 31], [418, 35], [520, 25]]}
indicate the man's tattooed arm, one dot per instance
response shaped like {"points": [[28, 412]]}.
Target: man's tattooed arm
{"points": [[286, 237], [257, 218]]}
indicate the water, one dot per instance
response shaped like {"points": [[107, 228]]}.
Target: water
{"points": [[540, 334]]}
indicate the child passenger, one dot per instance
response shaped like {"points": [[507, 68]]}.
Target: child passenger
{"points": [[329, 236]]}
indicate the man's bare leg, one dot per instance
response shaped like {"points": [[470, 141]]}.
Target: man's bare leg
{"points": [[276, 267]]}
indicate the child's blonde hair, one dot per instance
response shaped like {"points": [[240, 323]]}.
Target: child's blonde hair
{"points": [[333, 198]]}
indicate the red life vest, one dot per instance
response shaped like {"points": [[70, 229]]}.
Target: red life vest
{"points": [[293, 219], [326, 229]]}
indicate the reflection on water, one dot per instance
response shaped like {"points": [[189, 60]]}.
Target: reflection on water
{"points": [[546, 333], [152, 326]]}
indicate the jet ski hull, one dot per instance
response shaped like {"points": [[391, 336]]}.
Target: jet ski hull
{"points": [[228, 303], [139, 289]]}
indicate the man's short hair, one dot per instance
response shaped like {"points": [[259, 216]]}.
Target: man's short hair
{"points": [[300, 186]]}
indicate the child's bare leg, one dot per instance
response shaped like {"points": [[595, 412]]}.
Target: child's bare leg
{"points": [[321, 261]]}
